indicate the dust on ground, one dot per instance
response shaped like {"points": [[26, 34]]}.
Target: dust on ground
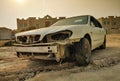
{"points": [[104, 63]]}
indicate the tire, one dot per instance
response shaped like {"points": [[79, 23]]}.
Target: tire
{"points": [[103, 46], [83, 52]]}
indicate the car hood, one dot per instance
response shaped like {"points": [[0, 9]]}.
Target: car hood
{"points": [[45, 31]]}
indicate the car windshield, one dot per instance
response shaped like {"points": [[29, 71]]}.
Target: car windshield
{"points": [[79, 20]]}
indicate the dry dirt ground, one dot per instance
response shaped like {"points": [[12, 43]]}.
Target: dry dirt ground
{"points": [[105, 66]]}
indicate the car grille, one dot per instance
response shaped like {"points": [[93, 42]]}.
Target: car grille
{"points": [[28, 39]]}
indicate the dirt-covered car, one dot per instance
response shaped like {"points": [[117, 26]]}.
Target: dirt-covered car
{"points": [[72, 38]]}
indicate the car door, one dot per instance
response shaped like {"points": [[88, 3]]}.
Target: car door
{"points": [[97, 32]]}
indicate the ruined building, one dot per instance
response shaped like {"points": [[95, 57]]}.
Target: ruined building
{"points": [[34, 23], [111, 23]]}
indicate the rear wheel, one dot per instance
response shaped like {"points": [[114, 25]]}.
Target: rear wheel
{"points": [[83, 52]]}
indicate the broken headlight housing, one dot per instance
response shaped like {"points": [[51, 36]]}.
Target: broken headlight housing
{"points": [[61, 35], [58, 36]]}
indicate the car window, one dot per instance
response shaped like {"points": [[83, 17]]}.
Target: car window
{"points": [[72, 21], [95, 23], [92, 23], [99, 25]]}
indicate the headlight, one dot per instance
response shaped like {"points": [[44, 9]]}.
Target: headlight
{"points": [[61, 35], [58, 36]]}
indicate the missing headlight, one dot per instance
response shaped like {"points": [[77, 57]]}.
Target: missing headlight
{"points": [[61, 35]]}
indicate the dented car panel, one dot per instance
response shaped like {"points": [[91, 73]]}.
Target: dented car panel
{"points": [[57, 40]]}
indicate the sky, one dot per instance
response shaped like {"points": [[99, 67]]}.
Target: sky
{"points": [[10, 10]]}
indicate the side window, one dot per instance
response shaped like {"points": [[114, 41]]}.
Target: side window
{"points": [[99, 25], [95, 23], [92, 23]]}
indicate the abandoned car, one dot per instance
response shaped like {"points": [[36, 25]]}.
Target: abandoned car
{"points": [[71, 38]]}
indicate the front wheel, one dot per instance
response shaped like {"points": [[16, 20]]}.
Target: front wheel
{"points": [[83, 52]]}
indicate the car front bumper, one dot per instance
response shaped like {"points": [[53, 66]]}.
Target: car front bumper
{"points": [[41, 51], [37, 49]]}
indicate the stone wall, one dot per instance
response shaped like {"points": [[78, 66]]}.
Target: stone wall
{"points": [[111, 23], [34, 23]]}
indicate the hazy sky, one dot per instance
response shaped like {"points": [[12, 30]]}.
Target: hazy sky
{"points": [[12, 9]]}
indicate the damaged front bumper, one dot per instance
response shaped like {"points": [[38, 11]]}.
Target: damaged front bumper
{"points": [[42, 51]]}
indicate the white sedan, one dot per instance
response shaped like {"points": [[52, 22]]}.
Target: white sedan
{"points": [[71, 38]]}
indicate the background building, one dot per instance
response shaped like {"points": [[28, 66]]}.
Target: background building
{"points": [[111, 23], [5, 33], [33, 23]]}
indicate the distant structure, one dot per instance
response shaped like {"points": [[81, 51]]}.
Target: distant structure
{"points": [[111, 23], [5, 33], [34, 23]]}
